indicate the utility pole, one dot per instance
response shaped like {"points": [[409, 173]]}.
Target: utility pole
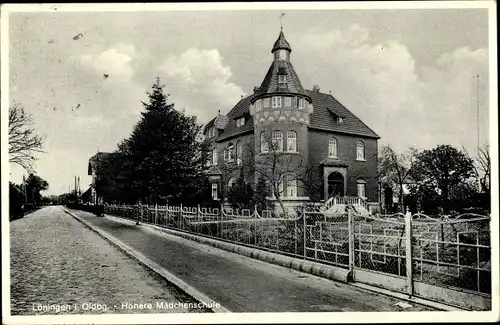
{"points": [[477, 112]]}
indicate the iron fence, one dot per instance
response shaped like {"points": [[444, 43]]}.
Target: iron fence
{"points": [[442, 251]]}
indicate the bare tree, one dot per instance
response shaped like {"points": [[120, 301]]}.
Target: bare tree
{"points": [[482, 167], [23, 140], [484, 161], [275, 165], [394, 169]]}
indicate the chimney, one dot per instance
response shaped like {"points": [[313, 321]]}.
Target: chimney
{"points": [[316, 88]]}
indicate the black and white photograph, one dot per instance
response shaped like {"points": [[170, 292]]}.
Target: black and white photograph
{"points": [[249, 162]]}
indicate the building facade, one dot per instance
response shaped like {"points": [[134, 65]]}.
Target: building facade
{"points": [[303, 143]]}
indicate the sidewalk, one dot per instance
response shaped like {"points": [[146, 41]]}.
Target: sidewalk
{"points": [[242, 284], [58, 267]]}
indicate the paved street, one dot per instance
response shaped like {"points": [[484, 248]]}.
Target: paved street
{"points": [[56, 262], [243, 284]]}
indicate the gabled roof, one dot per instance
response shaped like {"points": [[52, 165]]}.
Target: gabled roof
{"points": [[326, 106], [214, 170], [324, 117], [209, 125], [281, 43], [270, 83], [241, 108]]}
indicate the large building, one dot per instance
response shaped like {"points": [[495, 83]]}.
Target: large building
{"points": [[304, 141]]}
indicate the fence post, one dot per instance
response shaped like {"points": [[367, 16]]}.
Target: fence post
{"points": [[305, 231], [139, 215], [156, 213], [350, 227], [409, 259], [255, 225], [181, 218]]}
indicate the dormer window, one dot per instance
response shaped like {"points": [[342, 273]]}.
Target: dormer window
{"points": [[211, 132], [277, 101], [240, 121]]}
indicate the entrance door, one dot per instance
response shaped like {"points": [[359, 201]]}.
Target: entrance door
{"points": [[335, 184]]}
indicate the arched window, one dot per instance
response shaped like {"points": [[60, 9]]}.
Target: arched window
{"points": [[277, 141], [264, 148], [361, 186], [360, 150], [332, 147], [228, 153], [239, 153], [291, 141], [231, 183]]}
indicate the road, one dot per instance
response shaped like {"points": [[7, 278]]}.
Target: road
{"points": [[239, 283], [59, 266]]}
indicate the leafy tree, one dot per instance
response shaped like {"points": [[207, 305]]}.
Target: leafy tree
{"points": [[34, 185], [23, 140], [164, 153], [16, 201], [240, 195], [441, 169], [260, 194]]}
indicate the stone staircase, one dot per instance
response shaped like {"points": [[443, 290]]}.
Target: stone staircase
{"points": [[337, 205]]}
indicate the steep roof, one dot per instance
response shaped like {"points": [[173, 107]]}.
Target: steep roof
{"points": [[326, 106], [270, 83], [281, 43], [242, 108], [324, 117]]}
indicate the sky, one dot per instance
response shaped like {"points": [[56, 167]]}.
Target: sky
{"points": [[409, 74]]}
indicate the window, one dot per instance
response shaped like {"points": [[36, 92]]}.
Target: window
{"points": [[214, 192], [291, 141], [281, 80], [360, 150], [361, 185], [258, 105], [239, 153], [215, 156], [267, 102], [276, 101], [340, 120], [228, 154], [282, 54], [291, 186], [301, 103], [240, 122], [277, 141], [263, 143], [211, 132], [332, 147]]}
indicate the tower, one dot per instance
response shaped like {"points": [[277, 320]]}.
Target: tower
{"points": [[281, 112]]}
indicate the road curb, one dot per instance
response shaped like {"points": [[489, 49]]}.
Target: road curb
{"points": [[314, 268], [183, 286], [306, 266]]}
